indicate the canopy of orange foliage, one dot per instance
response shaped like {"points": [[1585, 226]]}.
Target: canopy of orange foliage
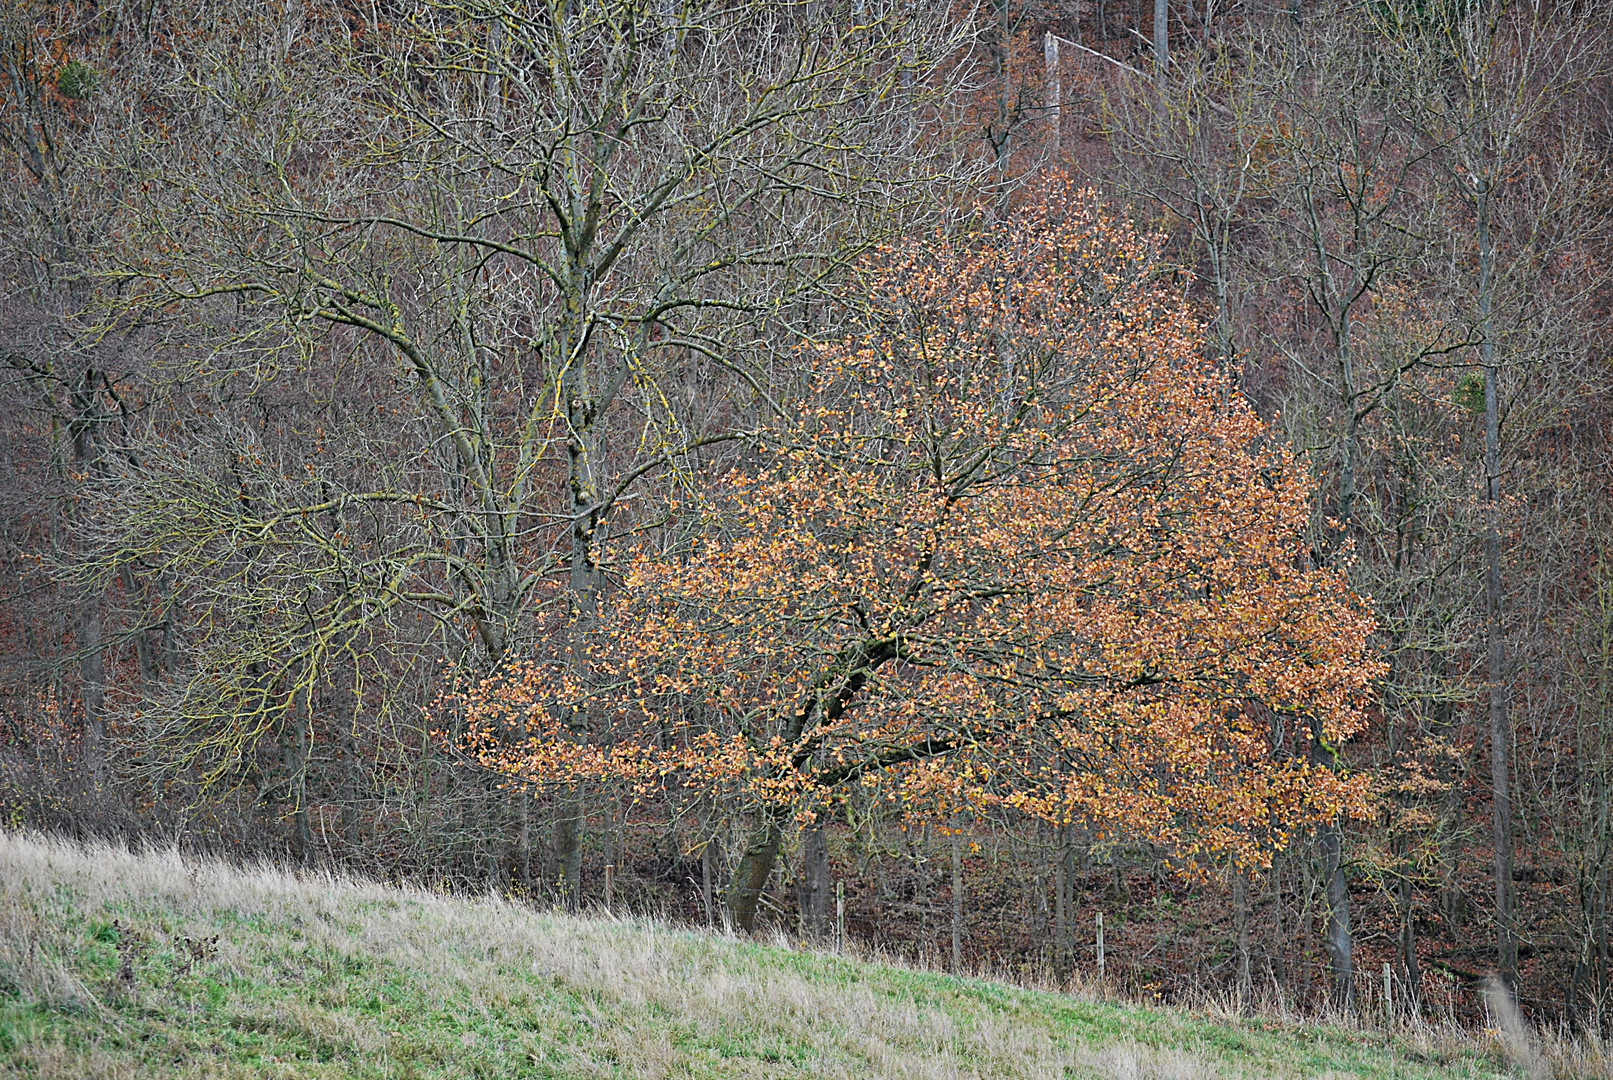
{"points": [[1018, 546]]}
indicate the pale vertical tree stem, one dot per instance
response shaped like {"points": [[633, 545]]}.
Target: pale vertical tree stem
{"points": [[1055, 91], [1495, 676], [1162, 47]]}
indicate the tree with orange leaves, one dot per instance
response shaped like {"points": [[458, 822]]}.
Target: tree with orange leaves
{"points": [[1018, 546]]}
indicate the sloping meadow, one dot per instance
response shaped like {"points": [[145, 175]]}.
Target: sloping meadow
{"points": [[114, 964]]}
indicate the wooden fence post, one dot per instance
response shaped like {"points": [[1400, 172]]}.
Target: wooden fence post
{"points": [[840, 916], [1100, 946]]}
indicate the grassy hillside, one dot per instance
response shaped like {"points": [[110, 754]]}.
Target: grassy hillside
{"points": [[120, 965]]}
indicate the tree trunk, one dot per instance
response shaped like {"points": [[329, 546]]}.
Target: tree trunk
{"points": [[522, 876], [170, 632], [706, 897], [1600, 981], [1061, 913], [1337, 940], [1240, 923], [92, 676], [85, 424], [346, 709], [294, 757], [1408, 948], [1064, 904], [1000, 61], [957, 902], [584, 580], [750, 876], [1585, 1001], [1500, 725], [1277, 964], [815, 888], [568, 848], [142, 645], [1055, 89], [1162, 46]]}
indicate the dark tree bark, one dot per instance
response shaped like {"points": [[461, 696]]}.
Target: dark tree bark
{"points": [[1337, 939], [294, 759], [1240, 928], [92, 679], [1408, 946], [815, 887], [568, 848], [751, 874]]}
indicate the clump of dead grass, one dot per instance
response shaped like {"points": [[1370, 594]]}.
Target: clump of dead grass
{"points": [[30, 966]]}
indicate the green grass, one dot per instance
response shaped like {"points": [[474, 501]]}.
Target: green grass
{"points": [[120, 965]]}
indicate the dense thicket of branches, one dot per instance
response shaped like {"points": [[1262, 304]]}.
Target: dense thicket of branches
{"points": [[350, 356]]}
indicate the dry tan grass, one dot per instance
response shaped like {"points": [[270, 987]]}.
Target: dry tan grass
{"points": [[652, 999]]}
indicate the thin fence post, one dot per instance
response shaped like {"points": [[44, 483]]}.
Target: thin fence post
{"points": [[840, 916], [1100, 946], [1388, 994], [610, 873]]}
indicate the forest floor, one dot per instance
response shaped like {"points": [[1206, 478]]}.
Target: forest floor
{"points": [[115, 964]]}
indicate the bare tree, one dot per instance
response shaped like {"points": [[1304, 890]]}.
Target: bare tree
{"points": [[574, 233], [66, 135], [1510, 65], [1199, 153]]}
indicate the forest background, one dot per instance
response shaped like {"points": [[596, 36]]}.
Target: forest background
{"points": [[349, 349]]}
